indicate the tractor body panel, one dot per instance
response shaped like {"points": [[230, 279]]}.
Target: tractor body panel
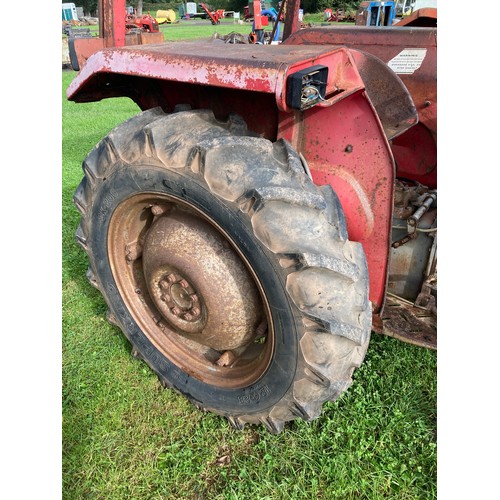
{"points": [[349, 129], [411, 52]]}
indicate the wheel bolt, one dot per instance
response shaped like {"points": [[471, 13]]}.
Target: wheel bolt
{"points": [[159, 209], [165, 297], [177, 294], [176, 310], [172, 278]]}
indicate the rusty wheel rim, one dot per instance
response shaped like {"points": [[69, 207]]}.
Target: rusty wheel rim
{"points": [[209, 318]]}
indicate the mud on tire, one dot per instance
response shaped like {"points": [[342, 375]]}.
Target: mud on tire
{"points": [[292, 338]]}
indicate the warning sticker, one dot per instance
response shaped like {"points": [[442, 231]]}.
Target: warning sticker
{"points": [[407, 61]]}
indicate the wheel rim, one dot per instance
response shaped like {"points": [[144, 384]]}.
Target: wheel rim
{"points": [[190, 290]]}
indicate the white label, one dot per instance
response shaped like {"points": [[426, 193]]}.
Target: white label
{"points": [[407, 61]]}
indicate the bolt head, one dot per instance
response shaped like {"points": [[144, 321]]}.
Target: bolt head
{"points": [[172, 278]]}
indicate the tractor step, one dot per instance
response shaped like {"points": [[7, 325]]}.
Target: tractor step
{"points": [[402, 320]]}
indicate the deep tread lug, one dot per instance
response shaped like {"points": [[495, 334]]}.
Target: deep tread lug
{"points": [[81, 238], [236, 423], [79, 198], [92, 279], [273, 425], [111, 318], [304, 411], [317, 378]]}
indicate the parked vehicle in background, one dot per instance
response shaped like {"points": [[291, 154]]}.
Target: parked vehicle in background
{"points": [[376, 14]]}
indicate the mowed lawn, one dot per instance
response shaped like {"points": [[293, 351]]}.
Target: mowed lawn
{"points": [[125, 437]]}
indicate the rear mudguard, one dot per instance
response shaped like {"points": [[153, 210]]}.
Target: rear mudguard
{"points": [[412, 53], [344, 139]]}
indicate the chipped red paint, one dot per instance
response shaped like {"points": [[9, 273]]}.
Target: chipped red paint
{"points": [[245, 67]]}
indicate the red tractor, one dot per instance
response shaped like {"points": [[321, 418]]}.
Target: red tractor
{"points": [[267, 210], [145, 22]]}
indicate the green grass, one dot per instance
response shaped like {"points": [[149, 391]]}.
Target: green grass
{"points": [[124, 437], [184, 30]]}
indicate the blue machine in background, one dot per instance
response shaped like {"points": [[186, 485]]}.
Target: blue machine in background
{"points": [[274, 16], [376, 14], [269, 13]]}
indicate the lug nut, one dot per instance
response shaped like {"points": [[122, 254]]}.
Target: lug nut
{"points": [[165, 297], [189, 289], [172, 278], [159, 209]]}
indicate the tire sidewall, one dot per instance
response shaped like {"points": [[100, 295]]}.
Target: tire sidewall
{"points": [[128, 180]]}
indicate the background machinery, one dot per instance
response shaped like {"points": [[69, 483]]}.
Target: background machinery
{"points": [[267, 210], [145, 23], [376, 14], [167, 16], [214, 15], [339, 16], [117, 28]]}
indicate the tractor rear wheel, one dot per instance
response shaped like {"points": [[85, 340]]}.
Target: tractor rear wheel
{"points": [[227, 269]]}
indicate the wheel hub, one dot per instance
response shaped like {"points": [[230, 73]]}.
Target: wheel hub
{"points": [[177, 300], [198, 283]]}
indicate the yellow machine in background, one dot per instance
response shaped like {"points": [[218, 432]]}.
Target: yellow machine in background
{"points": [[166, 16]]}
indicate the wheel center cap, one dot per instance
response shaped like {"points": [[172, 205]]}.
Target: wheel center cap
{"points": [[181, 297]]}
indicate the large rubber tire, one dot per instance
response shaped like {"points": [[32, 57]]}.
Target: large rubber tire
{"points": [[289, 235]]}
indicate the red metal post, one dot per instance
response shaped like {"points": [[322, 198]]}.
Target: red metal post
{"points": [[112, 22], [292, 23], [257, 18]]}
